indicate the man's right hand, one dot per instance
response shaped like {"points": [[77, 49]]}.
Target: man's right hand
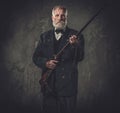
{"points": [[51, 64]]}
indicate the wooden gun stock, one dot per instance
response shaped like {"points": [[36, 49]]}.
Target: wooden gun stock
{"points": [[45, 76]]}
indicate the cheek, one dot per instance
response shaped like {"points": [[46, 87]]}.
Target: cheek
{"points": [[64, 18], [53, 19]]}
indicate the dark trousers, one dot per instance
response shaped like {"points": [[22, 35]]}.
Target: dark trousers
{"points": [[52, 104]]}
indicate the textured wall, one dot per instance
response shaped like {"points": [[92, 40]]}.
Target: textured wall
{"points": [[22, 22]]}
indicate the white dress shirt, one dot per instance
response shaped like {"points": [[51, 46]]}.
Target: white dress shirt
{"points": [[58, 35]]}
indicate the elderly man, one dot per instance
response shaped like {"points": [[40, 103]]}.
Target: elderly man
{"points": [[60, 93]]}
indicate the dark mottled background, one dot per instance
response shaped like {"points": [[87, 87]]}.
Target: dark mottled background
{"points": [[22, 22]]}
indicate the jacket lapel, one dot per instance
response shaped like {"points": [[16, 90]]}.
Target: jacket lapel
{"points": [[64, 40], [51, 43]]}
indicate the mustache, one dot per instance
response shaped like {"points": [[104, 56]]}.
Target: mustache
{"points": [[60, 22]]}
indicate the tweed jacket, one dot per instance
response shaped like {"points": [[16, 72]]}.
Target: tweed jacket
{"points": [[64, 79]]}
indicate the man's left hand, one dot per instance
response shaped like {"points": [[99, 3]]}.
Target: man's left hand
{"points": [[73, 39]]}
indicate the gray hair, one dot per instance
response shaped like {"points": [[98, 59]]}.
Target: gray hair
{"points": [[60, 7]]}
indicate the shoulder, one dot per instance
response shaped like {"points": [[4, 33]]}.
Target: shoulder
{"points": [[71, 29], [47, 33], [73, 32]]}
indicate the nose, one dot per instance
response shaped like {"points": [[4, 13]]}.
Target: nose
{"points": [[60, 17]]}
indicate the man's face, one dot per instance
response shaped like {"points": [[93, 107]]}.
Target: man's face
{"points": [[59, 19]]}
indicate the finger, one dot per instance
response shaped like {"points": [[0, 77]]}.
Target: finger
{"points": [[71, 40], [55, 61], [52, 67]]}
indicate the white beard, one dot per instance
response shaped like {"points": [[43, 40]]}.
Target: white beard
{"points": [[60, 25]]}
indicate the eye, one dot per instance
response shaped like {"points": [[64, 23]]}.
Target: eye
{"points": [[63, 16], [56, 15]]}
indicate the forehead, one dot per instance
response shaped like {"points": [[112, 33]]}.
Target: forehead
{"points": [[59, 11]]}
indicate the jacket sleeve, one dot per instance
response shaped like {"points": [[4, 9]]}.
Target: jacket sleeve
{"points": [[38, 56], [79, 48]]}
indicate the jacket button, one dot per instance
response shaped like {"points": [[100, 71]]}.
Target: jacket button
{"points": [[62, 68], [63, 77]]}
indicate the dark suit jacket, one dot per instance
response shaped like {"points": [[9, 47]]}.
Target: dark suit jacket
{"points": [[64, 79]]}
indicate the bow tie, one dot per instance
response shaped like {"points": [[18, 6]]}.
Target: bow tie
{"points": [[59, 31]]}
